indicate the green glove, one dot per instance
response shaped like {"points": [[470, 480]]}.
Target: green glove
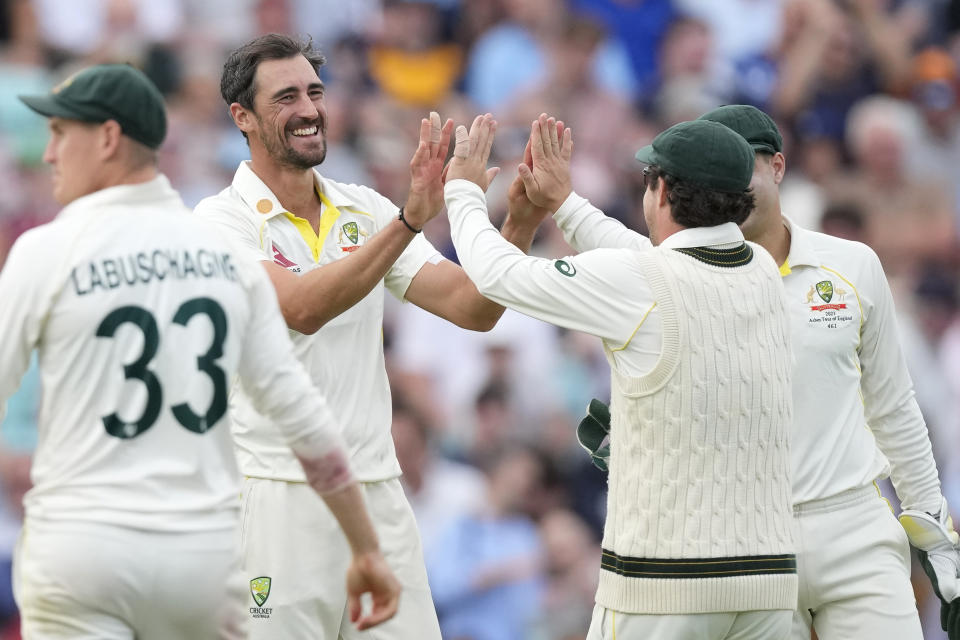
{"points": [[593, 430], [938, 546]]}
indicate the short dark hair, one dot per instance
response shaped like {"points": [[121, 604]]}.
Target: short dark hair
{"points": [[695, 206], [236, 81]]}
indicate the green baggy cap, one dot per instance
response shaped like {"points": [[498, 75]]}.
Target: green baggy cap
{"points": [[756, 126], [108, 92], [704, 153]]}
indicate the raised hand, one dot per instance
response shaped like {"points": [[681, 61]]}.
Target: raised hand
{"points": [[471, 152], [369, 573], [520, 209], [547, 183], [426, 171]]}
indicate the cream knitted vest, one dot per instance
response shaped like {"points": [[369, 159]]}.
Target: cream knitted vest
{"points": [[699, 516]]}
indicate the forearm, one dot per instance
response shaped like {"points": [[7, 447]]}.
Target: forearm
{"points": [[348, 508], [534, 286], [798, 72], [324, 293], [484, 311], [902, 437], [890, 48], [519, 235]]}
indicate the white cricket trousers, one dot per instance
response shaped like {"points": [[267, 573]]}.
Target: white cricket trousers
{"points": [[289, 537], [745, 625], [853, 561], [91, 581]]}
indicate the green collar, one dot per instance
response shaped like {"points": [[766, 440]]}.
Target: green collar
{"points": [[735, 257]]}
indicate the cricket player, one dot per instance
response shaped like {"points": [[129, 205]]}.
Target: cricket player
{"points": [[855, 421], [855, 418], [331, 250], [141, 315], [698, 537]]}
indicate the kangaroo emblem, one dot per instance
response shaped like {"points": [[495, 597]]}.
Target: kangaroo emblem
{"points": [[810, 295]]}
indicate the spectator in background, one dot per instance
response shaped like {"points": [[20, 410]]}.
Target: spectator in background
{"points": [[330, 21], [571, 556], [411, 61], [639, 25], [518, 351], [844, 221], [570, 87], [22, 70], [909, 221], [687, 85], [486, 570], [515, 53], [440, 490], [828, 57], [108, 29], [837, 56], [741, 28], [934, 91]]}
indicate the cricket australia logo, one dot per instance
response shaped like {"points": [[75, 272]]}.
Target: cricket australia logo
{"points": [[825, 290], [260, 590], [351, 231], [832, 313]]}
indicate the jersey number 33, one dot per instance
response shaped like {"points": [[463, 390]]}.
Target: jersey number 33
{"points": [[140, 368]]}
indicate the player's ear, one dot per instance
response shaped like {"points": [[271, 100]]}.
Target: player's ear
{"points": [[661, 191], [779, 164], [109, 139], [242, 117]]}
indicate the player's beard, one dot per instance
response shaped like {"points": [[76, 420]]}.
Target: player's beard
{"points": [[285, 154]]}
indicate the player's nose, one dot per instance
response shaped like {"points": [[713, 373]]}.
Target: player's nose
{"points": [[307, 108], [49, 155]]}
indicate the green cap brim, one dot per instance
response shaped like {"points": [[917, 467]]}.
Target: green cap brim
{"points": [[762, 147], [646, 155], [47, 105]]}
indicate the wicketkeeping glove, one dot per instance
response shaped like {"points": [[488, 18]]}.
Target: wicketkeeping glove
{"points": [[593, 430], [939, 549]]}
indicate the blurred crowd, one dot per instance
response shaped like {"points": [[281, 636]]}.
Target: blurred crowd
{"points": [[510, 509]]}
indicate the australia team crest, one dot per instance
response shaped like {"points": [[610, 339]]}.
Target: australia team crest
{"points": [[260, 590], [827, 306], [351, 236], [825, 290]]}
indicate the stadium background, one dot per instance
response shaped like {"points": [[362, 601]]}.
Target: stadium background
{"points": [[866, 92]]}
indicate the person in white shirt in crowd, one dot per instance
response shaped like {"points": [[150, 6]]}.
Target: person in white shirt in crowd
{"points": [[698, 537], [141, 314], [331, 251]]}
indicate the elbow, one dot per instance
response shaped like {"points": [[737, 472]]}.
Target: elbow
{"points": [[483, 325], [481, 321], [302, 321]]}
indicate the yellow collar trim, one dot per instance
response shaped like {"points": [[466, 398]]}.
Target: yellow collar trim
{"points": [[785, 269], [327, 219]]}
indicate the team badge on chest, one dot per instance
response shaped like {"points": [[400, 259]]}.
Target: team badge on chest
{"points": [[827, 306], [351, 237]]}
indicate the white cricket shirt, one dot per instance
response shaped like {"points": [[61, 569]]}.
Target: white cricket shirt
{"points": [[604, 293], [853, 405], [345, 357], [142, 315]]}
